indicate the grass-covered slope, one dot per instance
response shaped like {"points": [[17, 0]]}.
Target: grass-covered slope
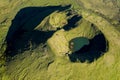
{"points": [[8, 11], [109, 8], [35, 40]]}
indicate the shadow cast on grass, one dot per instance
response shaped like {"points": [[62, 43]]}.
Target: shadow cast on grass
{"points": [[21, 33], [97, 47]]}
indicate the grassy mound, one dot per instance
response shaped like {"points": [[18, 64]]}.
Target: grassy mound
{"points": [[58, 20]]}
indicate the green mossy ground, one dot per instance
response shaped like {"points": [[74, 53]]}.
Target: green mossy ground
{"points": [[42, 64]]}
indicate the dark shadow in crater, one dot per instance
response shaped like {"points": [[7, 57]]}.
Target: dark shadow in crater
{"points": [[21, 34], [97, 47], [30, 17], [72, 22], [29, 40]]}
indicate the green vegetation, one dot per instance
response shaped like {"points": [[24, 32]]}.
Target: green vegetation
{"points": [[46, 55], [84, 29], [62, 37], [112, 35], [58, 20]]}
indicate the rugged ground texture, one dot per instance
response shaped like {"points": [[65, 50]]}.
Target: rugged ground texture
{"points": [[37, 37]]}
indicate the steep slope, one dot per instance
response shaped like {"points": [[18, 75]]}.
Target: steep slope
{"points": [[36, 36]]}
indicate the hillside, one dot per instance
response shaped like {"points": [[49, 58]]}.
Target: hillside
{"points": [[59, 40]]}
